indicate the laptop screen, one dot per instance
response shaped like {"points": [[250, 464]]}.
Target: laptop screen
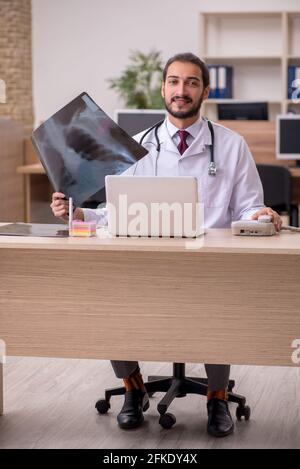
{"points": [[79, 145]]}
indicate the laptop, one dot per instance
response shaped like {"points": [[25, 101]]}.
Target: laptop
{"points": [[153, 206]]}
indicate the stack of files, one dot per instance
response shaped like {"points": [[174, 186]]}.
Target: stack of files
{"points": [[293, 85], [220, 81]]}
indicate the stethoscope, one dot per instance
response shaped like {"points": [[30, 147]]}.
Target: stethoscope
{"points": [[212, 169]]}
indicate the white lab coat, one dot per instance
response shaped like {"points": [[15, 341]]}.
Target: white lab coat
{"points": [[234, 193]]}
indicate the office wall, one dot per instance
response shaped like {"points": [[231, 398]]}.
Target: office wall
{"points": [[79, 44], [15, 60]]}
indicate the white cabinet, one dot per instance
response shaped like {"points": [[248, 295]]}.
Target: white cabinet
{"points": [[259, 46]]}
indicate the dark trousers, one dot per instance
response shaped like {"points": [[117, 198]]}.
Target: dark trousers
{"points": [[217, 375]]}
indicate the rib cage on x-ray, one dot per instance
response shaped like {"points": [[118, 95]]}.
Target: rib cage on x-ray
{"points": [[79, 145]]}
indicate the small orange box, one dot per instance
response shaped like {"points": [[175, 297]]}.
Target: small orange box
{"points": [[83, 228]]}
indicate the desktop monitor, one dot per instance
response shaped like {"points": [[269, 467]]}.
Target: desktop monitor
{"points": [[287, 137], [134, 121], [243, 111]]}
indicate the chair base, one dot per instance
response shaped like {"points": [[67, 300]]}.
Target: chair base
{"points": [[176, 386]]}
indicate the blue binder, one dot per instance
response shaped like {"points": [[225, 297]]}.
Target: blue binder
{"points": [[220, 81], [225, 82], [213, 77]]}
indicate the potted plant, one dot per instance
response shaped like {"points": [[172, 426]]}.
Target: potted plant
{"points": [[140, 83]]}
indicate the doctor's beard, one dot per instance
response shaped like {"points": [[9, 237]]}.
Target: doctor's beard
{"points": [[193, 111]]}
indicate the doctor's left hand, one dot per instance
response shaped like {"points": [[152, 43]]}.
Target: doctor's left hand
{"points": [[274, 215]]}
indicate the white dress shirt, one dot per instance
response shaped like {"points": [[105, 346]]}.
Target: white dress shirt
{"points": [[193, 130], [234, 193]]}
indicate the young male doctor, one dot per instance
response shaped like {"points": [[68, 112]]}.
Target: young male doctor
{"points": [[233, 193]]}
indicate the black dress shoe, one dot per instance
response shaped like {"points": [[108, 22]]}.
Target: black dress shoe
{"points": [[131, 415], [219, 419]]}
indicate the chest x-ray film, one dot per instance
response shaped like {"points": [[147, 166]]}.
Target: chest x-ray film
{"points": [[80, 145]]}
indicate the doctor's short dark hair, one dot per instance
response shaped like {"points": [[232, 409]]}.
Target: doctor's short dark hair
{"points": [[192, 58]]}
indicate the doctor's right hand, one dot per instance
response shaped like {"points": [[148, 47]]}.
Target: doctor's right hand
{"points": [[60, 208]]}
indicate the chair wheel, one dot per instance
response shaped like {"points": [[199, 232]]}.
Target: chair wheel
{"points": [[167, 421], [102, 406], [243, 411]]}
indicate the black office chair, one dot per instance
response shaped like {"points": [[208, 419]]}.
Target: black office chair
{"points": [[276, 181], [174, 386]]}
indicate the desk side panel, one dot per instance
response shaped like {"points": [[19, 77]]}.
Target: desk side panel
{"points": [[185, 306]]}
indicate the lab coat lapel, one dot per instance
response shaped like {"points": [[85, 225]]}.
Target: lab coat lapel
{"points": [[200, 142], [166, 140]]}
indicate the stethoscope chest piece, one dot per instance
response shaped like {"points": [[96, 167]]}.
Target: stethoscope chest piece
{"points": [[212, 169]]}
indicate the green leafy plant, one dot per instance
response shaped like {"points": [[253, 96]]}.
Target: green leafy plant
{"points": [[140, 83]]}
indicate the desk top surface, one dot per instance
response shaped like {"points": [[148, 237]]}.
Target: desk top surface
{"points": [[214, 240], [37, 168]]}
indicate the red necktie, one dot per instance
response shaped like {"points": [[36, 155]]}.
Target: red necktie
{"points": [[183, 134]]}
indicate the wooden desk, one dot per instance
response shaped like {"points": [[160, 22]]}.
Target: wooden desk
{"points": [[34, 169], [228, 300], [28, 171], [261, 138], [259, 135]]}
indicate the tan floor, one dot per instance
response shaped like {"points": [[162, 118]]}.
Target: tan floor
{"points": [[49, 403]]}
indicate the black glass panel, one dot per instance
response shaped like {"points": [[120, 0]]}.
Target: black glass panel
{"points": [[34, 229]]}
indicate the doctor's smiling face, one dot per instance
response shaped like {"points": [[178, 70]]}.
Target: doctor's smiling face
{"points": [[184, 89]]}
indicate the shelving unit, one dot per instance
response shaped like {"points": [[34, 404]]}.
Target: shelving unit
{"points": [[259, 46]]}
